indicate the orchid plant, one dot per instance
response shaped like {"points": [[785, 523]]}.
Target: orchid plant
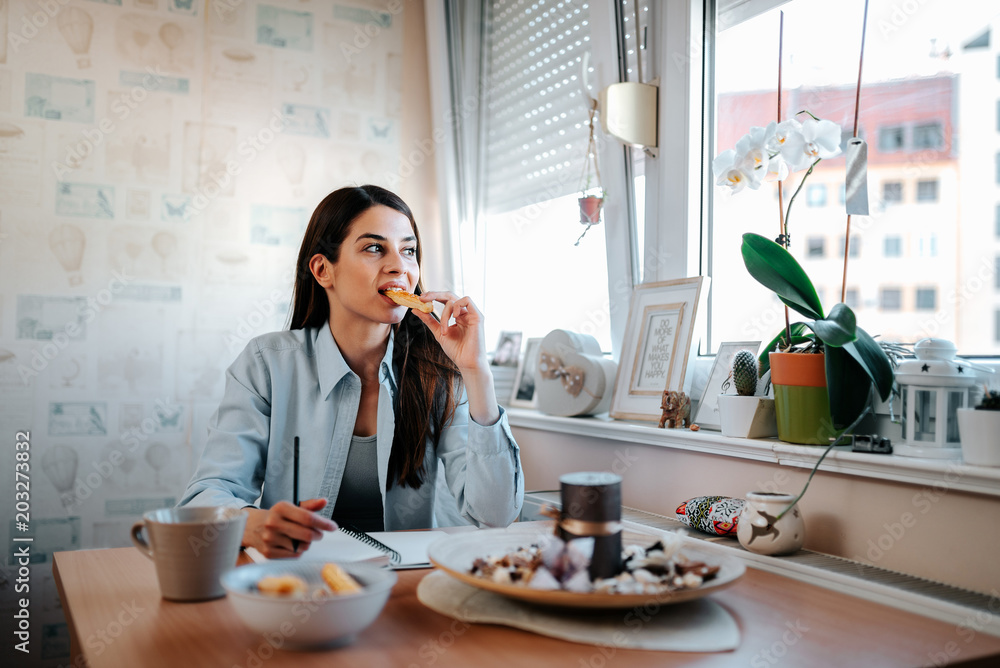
{"points": [[855, 363], [774, 152]]}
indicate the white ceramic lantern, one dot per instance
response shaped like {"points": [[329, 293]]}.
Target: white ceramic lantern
{"points": [[934, 386]]}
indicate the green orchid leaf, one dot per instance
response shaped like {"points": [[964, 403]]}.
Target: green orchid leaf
{"points": [[837, 329], [873, 360], [798, 336], [848, 384], [775, 268]]}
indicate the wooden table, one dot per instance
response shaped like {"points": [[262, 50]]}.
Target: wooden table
{"points": [[117, 618]]}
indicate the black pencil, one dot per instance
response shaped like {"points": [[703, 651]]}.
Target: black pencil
{"points": [[295, 486]]}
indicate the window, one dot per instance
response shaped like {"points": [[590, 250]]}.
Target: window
{"points": [[998, 168], [926, 299], [890, 299], [851, 298], [842, 196], [998, 115], [928, 136], [927, 246], [816, 194], [534, 136], [927, 191], [892, 192], [997, 221], [855, 250], [891, 139], [816, 247], [996, 272], [996, 327], [893, 246]]}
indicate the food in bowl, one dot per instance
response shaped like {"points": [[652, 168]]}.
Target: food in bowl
{"points": [[336, 579], [282, 585], [315, 618], [554, 564]]}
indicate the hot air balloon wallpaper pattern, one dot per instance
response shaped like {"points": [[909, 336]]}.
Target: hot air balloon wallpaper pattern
{"points": [[67, 243], [59, 463], [77, 28]]}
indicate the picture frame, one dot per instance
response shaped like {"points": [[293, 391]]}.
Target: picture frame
{"points": [[524, 395], [656, 348], [706, 415], [508, 349]]}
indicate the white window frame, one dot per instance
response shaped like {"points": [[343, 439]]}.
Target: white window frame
{"points": [[678, 202]]}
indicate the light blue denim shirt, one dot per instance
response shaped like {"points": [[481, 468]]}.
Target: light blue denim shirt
{"points": [[296, 383]]}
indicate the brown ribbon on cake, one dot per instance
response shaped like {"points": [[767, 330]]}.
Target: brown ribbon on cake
{"points": [[585, 528]]}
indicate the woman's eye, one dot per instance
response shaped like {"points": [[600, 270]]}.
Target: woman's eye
{"points": [[410, 251], [373, 248]]}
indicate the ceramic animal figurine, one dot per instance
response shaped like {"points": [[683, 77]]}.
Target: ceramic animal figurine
{"points": [[676, 410]]}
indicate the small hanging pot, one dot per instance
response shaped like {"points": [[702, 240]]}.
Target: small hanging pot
{"points": [[590, 209]]}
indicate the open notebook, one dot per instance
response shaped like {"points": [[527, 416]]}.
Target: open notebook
{"points": [[397, 549]]}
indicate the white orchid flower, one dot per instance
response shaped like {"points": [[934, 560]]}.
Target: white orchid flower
{"points": [[728, 169], [822, 139], [788, 142], [760, 161]]}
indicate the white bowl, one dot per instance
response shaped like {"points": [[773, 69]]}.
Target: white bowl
{"points": [[308, 621]]}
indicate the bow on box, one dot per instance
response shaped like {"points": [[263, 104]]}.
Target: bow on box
{"points": [[551, 367], [572, 376]]}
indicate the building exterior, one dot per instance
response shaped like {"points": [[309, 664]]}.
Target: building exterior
{"points": [[924, 261]]}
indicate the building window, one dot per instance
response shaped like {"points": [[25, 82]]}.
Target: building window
{"points": [[816, 194], [892, 192], [998, 169], [996, 328], [927, 191], [927, 246], [816, 247], [855, 247], [890, 299], [996, 273], [851, 298], [926, 299], [893, 246], [928, 135], [842, 197], [998, 115], [997, 221], [891, 139]]}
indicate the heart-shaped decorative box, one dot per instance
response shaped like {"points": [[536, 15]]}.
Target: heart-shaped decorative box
{"points": [[572, 376]]}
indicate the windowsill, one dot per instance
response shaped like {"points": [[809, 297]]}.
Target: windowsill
{"points": [[952, 473]]}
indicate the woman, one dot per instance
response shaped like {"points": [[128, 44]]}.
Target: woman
{"points": [[375, 392]]}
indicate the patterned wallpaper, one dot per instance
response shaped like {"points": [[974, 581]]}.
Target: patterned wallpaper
{"points": [[159, 160]]}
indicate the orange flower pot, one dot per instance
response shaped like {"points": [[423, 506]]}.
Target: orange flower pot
{"points": [[801, 400]]}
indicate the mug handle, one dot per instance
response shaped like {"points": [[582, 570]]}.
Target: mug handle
{"points": [[139, 541]]}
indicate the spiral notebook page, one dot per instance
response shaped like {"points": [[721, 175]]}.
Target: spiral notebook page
{"points": [[339, 546]]}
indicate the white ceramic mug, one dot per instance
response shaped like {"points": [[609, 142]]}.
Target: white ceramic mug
{"points": [[191, 547]]}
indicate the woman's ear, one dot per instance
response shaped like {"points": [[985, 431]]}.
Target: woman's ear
{"points": [[321, 270]]}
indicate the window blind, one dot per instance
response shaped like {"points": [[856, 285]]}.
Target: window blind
{"points": [[535, 116]]}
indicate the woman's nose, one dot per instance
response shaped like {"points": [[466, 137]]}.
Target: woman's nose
{"points": [[393, 263]]}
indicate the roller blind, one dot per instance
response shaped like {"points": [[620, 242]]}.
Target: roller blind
{"points": [[535, 116]]}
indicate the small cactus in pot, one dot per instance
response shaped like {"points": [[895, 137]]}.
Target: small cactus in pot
{"points": [[744, 373]]}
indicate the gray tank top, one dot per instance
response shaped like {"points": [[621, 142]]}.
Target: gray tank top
{"points": [[359, 502]]}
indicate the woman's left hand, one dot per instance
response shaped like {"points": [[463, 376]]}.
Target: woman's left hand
{"points": [[463, 341]]}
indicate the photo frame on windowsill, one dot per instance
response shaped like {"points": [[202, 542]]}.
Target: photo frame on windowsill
{"points": [[523, 395], [657, 345], [706, 415]]}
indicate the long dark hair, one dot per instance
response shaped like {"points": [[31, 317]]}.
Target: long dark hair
{"points": [[428, 379]]}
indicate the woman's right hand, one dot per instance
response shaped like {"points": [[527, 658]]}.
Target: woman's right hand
{"points": [[272, 531]]}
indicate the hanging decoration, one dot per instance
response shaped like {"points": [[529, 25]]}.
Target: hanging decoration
{"points": [[592, 194]]}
